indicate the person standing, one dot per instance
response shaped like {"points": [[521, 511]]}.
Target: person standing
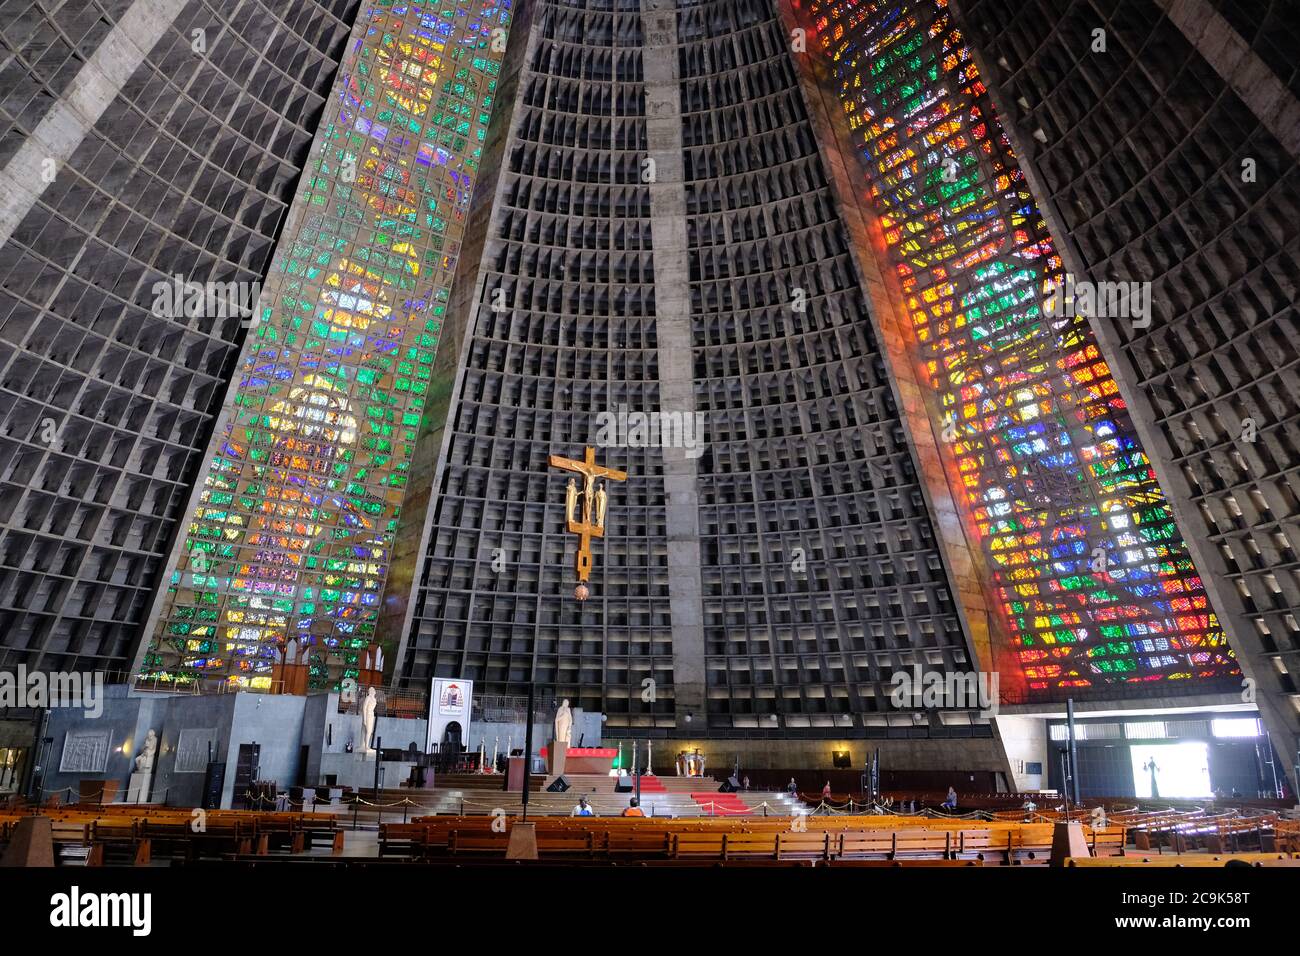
{"points": [[1151, 768]]}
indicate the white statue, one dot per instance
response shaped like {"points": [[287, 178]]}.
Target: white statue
{"points": [[563, 722], [368, 721], [144, 761]]}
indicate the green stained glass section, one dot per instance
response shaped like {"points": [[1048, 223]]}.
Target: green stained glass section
{"points": [[290, 541]]}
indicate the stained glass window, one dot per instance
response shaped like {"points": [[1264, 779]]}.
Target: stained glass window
{"points": [[1091, 576], [293, 532]]}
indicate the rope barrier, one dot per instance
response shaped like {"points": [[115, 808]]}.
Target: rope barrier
{"points": [[1195, 815]]}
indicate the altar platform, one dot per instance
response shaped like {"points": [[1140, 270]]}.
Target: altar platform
{"points": [[584, 760]]}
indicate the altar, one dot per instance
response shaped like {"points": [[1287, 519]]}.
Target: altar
{"points": [[690, 764], [586, 759]]}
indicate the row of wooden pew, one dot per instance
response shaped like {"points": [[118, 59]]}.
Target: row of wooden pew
{"points": [[103, 835], [730, 840], [1216, 833], [1189, 860]]}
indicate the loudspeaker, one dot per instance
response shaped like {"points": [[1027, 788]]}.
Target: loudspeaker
{"points": [[622, 784], [214, 780], [559, 786]]}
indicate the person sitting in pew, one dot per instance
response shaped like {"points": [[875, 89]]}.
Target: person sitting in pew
{"points": [[582, 809], [634, 809]]}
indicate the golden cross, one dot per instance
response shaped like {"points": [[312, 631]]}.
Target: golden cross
{"points": [[591, 523]]}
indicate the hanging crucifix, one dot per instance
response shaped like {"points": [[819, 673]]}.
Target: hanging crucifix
{"points": [[587, 521]]}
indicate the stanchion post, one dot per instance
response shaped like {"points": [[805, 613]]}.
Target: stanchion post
{"points": [[379, 799]]}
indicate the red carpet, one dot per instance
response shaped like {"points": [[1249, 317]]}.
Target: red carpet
{"points": [[652, 785], [721, 804]]}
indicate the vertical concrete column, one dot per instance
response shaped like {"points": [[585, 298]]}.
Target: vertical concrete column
{"points": [[470, 293], [963, 564], [676, 361]]}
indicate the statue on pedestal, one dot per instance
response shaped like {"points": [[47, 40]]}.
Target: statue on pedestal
{"points": [[137, 790], [563, 722], [144, 761], [368, 721]]}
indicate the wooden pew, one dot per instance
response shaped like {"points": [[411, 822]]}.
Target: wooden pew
{"points": [[977, 845], [698, 845], [179, 839], [72, 841], [1286, 836], [1187, 860], [1243, 833], [803, 845], [555, 844], [119, 842], [864, 845], [902, 863], [1030, 844], [636, 842], [404, 840], [1107, 841], [471, 842], [740, 846], [923, 844]]}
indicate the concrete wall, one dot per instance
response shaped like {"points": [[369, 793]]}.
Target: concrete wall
{"points": [[17, 733], [122, 718], [955, 754], [281, 725], [1025, 740], [168, 716], [284, 725]]}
